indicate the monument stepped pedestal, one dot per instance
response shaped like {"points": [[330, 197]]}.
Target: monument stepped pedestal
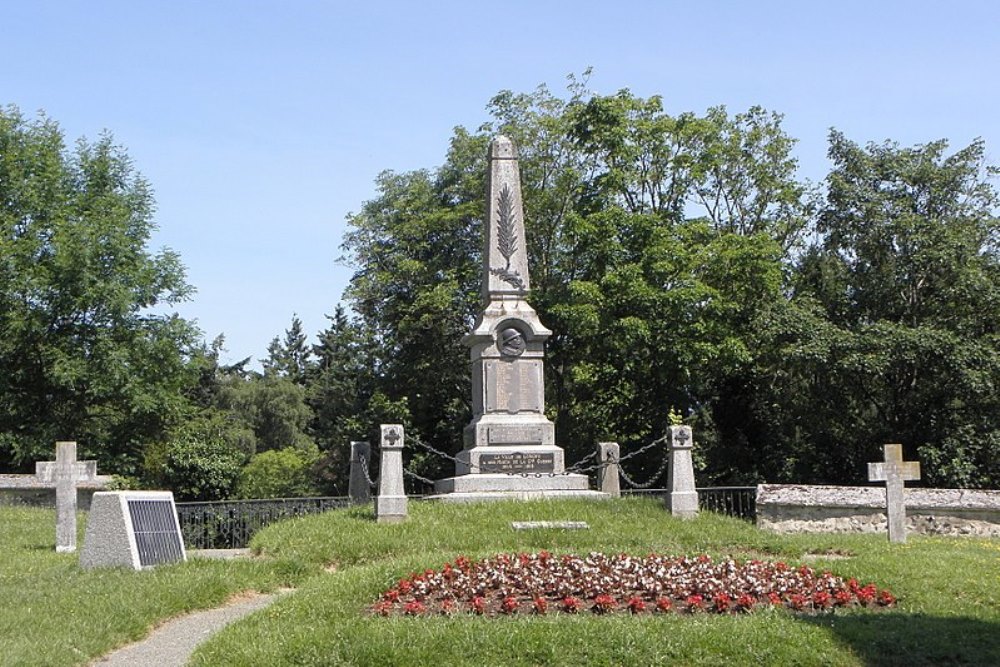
{"points": [[509, 447]]}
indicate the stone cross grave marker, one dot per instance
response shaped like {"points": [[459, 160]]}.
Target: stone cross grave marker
{"points": [[893, 470], [64, 473]]}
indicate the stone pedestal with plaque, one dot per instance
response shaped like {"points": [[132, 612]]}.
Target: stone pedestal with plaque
{"points": [[509, 449]]}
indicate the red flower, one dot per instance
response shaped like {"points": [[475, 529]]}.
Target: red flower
{"points": [[821, 600], [448, 607], [405, 586], [392, 595], [721, 602], [570, 604], [774, 598], [636, 605], [414, 608], [540, 604], [797, 601], [886, 599], [744, 602], [383, 608], [604, 604], [663, 605], [866, 595], [509, 605], [478, 605], [842, 598], [694, 602]]}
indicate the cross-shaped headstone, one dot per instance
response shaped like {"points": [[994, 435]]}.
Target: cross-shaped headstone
{"points": [[64, 473], [894, 471]]}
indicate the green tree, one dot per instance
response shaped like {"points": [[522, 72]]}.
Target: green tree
{"points": [[649, 306], [292, 357], [907, 280], [85, 352], [277, 473]]}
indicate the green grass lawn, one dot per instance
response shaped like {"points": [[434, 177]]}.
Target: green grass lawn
{"points": [[339, 562]]}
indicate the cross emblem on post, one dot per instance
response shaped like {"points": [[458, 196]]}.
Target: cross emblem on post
{"points": [[64, 473], [893, 470], [680, 436], [392, 436]]}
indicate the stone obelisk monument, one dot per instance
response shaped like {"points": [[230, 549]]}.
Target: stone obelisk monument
{"points": [[509, 449]]}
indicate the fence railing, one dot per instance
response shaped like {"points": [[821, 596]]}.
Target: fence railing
{"points": [[229, 524], [734, 501]]}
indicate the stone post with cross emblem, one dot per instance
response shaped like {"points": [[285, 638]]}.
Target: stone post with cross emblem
{"points": [[682, 498], [390, 505], [893, 470]]}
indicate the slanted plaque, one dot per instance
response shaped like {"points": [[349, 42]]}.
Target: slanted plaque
{"points": [[133, 529]]}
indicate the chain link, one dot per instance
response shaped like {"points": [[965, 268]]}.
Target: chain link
{"points": [[363, 464], [417, 477], [656, 475]]}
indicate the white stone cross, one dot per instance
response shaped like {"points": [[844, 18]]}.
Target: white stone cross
{"points": [[64, 473], [894, 471]]}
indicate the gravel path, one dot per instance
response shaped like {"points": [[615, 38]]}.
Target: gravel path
{"points": [[171, 644]]}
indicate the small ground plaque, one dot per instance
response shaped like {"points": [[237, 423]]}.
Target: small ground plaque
{"points": [[136, 529], [551, 525], [517, 462]]}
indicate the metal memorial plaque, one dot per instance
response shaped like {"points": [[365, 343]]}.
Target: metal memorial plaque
{"points": [[517, 462], [157, 534]]}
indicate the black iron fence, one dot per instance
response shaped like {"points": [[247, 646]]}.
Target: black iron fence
{"points": [[229, 524], [735, 501]]}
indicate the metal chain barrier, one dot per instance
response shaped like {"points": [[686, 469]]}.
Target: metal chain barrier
{"points": [[656, 475], [451, 458], [576, 468], [364, 470], [417, 477]]}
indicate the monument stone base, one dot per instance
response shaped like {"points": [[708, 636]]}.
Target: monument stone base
{"points": [[493, 486]]}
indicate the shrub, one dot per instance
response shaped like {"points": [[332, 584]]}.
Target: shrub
{"points": [[284, 473]]}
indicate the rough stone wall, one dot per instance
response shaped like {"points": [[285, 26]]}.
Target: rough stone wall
{"points": [[795, 508], [27, 490]]}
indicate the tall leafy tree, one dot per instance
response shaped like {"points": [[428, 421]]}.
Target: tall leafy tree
{"points": [[292, 357], [906, 282], [85, 351]]}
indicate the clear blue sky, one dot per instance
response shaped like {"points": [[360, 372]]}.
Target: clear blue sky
{"points": [[261, 125]]}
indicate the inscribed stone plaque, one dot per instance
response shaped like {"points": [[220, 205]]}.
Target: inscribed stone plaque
{"points": [[517, 462], [515, 435], [514, 386]]}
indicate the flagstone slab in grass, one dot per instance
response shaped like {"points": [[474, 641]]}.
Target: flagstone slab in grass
{"points": [[549, 525]]}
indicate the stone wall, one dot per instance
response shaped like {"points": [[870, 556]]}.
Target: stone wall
{"points": [[27, 490], [795, 508]]}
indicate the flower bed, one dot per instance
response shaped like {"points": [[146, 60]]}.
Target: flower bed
{"points": [[541, 583]]}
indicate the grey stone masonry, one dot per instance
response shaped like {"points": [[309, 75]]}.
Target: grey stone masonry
{"points": [[391, 503], [893, 470], [798, 508], [509, 446], [64, 474], [358, 486], [132, 529], [682, 498], [607, 474]]}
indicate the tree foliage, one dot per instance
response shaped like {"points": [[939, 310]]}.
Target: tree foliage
{"points": [[85, 353], [682, 264]]}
